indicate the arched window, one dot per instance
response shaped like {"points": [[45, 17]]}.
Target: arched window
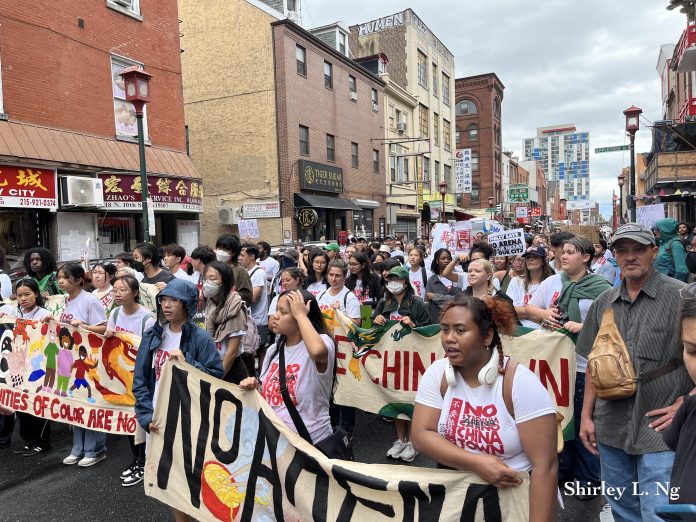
{"points": [[473, 132], [465, 107]]}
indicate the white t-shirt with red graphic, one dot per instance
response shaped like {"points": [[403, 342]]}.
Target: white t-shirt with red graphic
{"points": [[85, 307], [477, 419], [515, 291], [417, 281], [303, 381], [344, 300], [136, 323], [171, 341], [106, 297], [316, 288]]}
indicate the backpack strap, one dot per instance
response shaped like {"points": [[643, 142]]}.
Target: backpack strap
{"points": [[508, 379], [142, 324], [292, 410], [114, 313], [345, 301]]}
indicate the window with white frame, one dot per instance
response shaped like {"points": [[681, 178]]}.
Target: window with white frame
{"points": [[301, 59], [352, 87], [131, 7], [422, 69], [445, 89], [124, 112], [328, 75], [426, 169]]}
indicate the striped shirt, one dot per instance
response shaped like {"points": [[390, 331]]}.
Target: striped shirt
{"points": [[649, 327]]}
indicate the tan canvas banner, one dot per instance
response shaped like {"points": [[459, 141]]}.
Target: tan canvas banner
{"points": [[223, 454], [58, 372], [378, 370]]}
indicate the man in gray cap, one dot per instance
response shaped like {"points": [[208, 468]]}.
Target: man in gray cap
{"points": [[627, 433]]}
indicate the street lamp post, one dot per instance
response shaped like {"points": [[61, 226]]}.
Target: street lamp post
{"points": [[632, 125], [137, 87], [622, 179], [443, 193], [491, 200]]}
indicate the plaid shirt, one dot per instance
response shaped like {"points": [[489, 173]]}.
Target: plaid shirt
{"points": [[650, 330]]}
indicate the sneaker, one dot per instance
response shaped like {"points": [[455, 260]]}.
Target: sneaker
{"points": [[396, 449], [135, 478], [30, 452], [408, 453], [390, 420], [21, 451], [86, 462], [71, 459], [129, 470]]}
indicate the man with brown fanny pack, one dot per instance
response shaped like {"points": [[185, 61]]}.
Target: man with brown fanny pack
{"points": [[635, 381]]}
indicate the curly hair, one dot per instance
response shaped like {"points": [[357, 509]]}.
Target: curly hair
{"points": [[489, 313]]}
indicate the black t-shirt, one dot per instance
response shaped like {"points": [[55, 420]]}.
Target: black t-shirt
{"points": [[680, 436], [163, 277]]}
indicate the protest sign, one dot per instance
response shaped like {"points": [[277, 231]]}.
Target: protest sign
{"points": [[249, 228], [456, 237], [223, 454], [379, 370], [66, 374], [508, 243], [648, 215]]}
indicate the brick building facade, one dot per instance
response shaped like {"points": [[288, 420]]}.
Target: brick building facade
{"points": [[63, 113]]}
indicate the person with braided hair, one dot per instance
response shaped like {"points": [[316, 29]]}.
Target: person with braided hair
{"points": [[479, 411]]}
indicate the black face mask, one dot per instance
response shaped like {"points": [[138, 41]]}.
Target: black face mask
{"points": [[691, 262]]}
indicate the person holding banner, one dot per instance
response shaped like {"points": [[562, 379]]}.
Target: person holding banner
{"points": [[418, 274], [316, 283], [400, 303], [366, 286], [521, 289], [41, 266], [477, 410], [102, 276], [130, 316]]}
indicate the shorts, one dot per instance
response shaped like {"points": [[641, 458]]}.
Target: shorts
{"points": [[80, 383]]}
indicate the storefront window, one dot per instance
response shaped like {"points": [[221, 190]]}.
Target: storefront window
{"points": [[363, 222]]}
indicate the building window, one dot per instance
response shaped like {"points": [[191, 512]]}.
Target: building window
{"points": [[391, 116], [129, 7], [448, 176], [434, 79], [404, 174], [398, 116], [354, 155], [304, 140], [422, 70], [423, 121], [392, 168], [474, 193], [375, 100], [473, 132], [330, 148], [352, 88], [457, 136], [291, 5], [375, 161], [124, 112], [445, 89], [465, 107], [301, 57], [436, 173], [342, 44], [447, 134], [436, 129], [328, 75], [496, 107], [2, 108], [426, 169], [474, 161]]}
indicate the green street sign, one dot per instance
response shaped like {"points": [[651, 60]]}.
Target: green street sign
{"points": [[490, 210], [518, 193], [612, 149]]}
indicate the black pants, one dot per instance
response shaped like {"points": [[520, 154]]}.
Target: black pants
{"points": [[34, 431], [6, 429], [138, 450]]}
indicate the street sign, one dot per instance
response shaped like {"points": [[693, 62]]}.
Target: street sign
{"points": [[612, 149], [518, 193], [499, 207], [490, 210]]}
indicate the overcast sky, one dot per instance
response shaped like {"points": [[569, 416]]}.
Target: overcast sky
{"points": [[561, 61]]}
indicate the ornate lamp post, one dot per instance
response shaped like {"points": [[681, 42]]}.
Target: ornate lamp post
{"points": [[137, 87], [622, 180], [632, 125], [443, 193]]}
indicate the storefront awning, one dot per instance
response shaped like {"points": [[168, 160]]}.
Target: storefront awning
{"points": [[306, 200], [58, 147], [366, 203]]}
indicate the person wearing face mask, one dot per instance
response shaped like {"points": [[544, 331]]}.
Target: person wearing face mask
{"points": [[225, 318], [151, 257], [227, 249], [400, 303]]}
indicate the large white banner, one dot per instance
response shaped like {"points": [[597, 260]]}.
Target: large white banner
{"points": [[580, 204], [462, 171], [455, 237]]}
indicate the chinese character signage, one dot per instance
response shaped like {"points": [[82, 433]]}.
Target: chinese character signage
{"points": [[535, 212], [317, 176], [518, 193], [125, 192], [462, 171], [28, 187]]}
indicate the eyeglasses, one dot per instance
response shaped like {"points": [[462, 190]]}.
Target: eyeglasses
{"points": [[688, 292]]}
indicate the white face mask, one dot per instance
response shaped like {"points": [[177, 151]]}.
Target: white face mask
{"points": [[395, 287], [211, 289], [222, 256]]}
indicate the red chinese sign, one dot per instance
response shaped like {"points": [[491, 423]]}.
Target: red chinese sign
{"points": [[28, 187], [535, 212], [124, 191]]}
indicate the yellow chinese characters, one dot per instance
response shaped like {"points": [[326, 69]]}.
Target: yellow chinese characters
{"points": [[137, 186], [195, 190], [112, 184], [29, 178], [164, 184], [181, 187]]}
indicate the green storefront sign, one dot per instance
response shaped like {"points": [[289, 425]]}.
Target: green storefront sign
{"points": [[518, 193]]}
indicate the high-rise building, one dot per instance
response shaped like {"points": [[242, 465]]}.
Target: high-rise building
{"points": [[564, 153]]}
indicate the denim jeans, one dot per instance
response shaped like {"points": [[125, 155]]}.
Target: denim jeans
{"points": [[639, 474], [88, 443], [575, 462]]}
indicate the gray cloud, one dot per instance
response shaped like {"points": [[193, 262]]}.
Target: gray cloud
{"points": [[561, 61]]}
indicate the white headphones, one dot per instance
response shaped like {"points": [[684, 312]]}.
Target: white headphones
{"points": [[486, 376]]}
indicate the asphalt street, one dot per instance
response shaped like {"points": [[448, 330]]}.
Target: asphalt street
{"points": [[41, 487]]}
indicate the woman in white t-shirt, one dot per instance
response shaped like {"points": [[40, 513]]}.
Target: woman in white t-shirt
{"points": [[338, 296], [102, 278], [309, 353], [316, 283], [521, 289], [130, 316], [418, 274], [464, 419], [290, 279]]}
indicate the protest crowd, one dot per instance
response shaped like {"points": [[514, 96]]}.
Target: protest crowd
{"points": [[253, 315]]}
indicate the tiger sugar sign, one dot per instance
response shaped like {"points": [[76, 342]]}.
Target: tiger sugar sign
{"points": [[61, 373]]}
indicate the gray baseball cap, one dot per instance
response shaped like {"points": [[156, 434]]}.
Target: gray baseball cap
{"points": [[636, 232]]}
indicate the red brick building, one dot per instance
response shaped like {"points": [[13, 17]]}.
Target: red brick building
{"points": [[329, 126], [64, 114], [478, 105]]}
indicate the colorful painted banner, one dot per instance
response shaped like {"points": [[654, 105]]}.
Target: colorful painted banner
{"points": [[28, 187], [223, 454], [66, 374], [378, 370]]}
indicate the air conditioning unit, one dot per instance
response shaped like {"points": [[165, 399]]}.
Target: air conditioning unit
{"points": [[401, 127], [81, 192], [354, 96], [125, 3], [228, 215], [294, 16], [375, 107]]}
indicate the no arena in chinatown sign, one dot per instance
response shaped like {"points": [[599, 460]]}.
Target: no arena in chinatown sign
{"points": [[28, 187], [124, 191]]}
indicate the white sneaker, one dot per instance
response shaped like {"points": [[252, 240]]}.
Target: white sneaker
{"points": [[396, 449], [408, 453], [91, 461], [71, 459]]}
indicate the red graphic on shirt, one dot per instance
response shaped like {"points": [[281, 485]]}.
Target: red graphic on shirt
{"points": [[396, 316], [554, 298], [474, 427], [161, 357], [362, 296], [271, 384], [417, 285], [527, 297], [107, 300]]}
